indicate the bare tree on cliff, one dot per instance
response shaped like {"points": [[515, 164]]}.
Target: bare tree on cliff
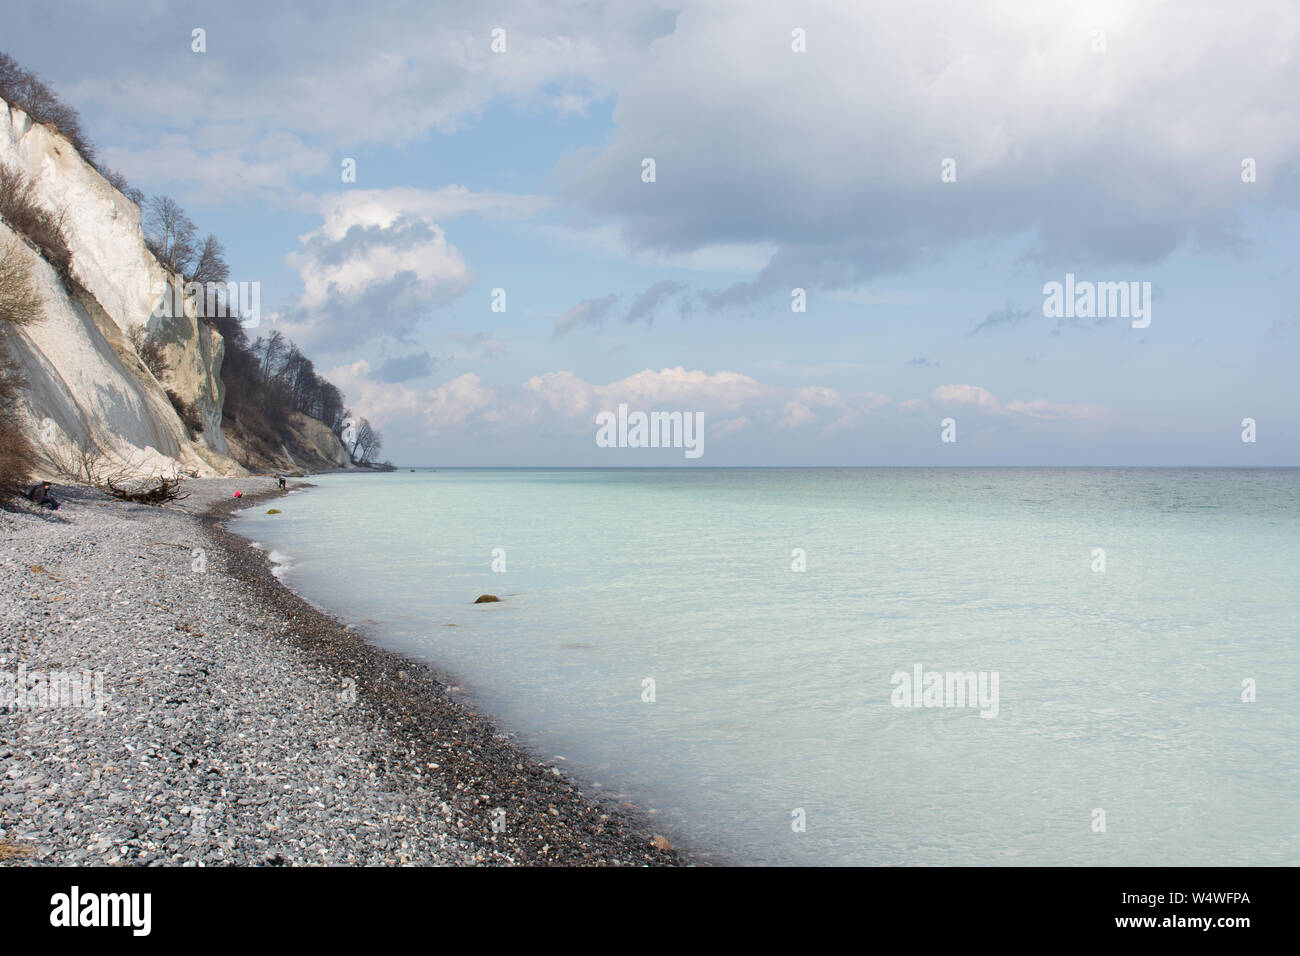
{"points": [[341, 419], [366, 444], [298, 374], [370, 449], [25, 90], [170, 234], [329, 407], [265, 379], [271, 351], [20, 304], [210, 265], [362, 434]]}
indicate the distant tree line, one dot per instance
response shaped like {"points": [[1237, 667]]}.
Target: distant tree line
{"points": [[265, 378], [173, 239], [269, 376]]}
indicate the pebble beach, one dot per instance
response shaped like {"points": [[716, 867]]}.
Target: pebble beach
{"points": [[218, 719]]}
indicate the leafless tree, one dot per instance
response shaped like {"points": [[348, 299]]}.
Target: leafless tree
{"points": [[210, 266], [150, 351], [20, 299], [374, 447], [269, 352], [86, 463], [20, 304], [367, 444], [170, 234], [360, 438], [26, 90], [21, 210], [298, 375], [17, 454]]}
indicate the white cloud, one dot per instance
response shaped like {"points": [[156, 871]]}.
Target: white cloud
{"points": [[983, 399], [382, 207], [729, 426], [610, 242], [587, 312], [447, 407], [341, 77], [563, 406], [964, 395], [330, 270], [380, 260], [270, 163], [797, 414], [562, 393], [453, 403], [834, 155]]}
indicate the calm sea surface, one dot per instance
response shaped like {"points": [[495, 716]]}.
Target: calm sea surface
{"points": [[1119, 692]]}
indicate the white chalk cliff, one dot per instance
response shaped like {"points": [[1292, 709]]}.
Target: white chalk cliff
{"points": [[84, 380]]}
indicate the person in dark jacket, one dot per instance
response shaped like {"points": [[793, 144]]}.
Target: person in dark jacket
{"points": [[41, 495]]}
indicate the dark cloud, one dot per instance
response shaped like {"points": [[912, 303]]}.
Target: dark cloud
{"points": [[359, 241], [1007, 316], [647, 303], [393, 306], [756, 149], [586, 312], [486, 344], [372, 280], [814, 266], [406, 367]]}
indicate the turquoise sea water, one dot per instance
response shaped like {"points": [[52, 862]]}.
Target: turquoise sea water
{"points": [[1118, 690]]}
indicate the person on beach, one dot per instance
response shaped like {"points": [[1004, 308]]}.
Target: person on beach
{"points": [[280, 479], [40, 493]]}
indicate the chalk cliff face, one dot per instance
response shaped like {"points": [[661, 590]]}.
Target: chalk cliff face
{"points": [[85, 383], [318, 447]]}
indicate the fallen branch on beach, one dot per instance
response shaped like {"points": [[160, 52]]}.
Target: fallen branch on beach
{"points": [[85, 462], [152, 491]]}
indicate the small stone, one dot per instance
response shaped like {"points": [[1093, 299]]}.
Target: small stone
{"points": [[486, 599], [660, 843]]}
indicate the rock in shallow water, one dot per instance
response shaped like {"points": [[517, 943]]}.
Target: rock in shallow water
{"points": [[486, 599], [296, 766]]}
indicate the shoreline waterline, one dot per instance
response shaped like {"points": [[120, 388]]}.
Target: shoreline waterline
{"points": [[724, 645], [408, 689], [245, 727]]}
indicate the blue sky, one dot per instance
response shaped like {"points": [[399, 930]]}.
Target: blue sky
{"points": [[1097, 139]]}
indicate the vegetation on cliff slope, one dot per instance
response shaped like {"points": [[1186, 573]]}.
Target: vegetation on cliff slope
{"points": [[24, 89], [20, 304], [265, 379]]}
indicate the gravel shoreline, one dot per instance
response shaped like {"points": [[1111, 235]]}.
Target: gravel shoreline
{"points": [[240, 725]]}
